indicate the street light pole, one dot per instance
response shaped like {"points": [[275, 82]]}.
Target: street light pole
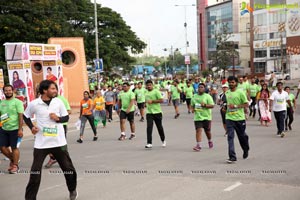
{"points": [[96, 40], [186, 40]]}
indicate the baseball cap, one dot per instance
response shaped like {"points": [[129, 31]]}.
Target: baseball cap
{"points": [[224, 85]]}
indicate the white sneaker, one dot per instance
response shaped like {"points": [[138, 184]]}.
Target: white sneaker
{"points": [[148, 146], [164, 144]]}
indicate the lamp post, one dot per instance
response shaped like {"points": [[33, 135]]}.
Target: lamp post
{"points": [[96, 38], [172, 53], [186, 40]]}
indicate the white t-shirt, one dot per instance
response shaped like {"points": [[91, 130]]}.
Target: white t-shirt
{"points": [[51, 134], [279, 100], [168, 87]]}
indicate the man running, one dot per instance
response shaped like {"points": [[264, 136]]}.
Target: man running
{"points": [[223, 106], [188, 92], [140, 98], [202, 103], [126, 103], [254, 89], [49, 134], [235, 119], [175, 92], [154, 113], [278, 103], [11, 111]]}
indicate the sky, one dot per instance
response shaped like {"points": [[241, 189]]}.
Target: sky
{"points": [[159, 23]]}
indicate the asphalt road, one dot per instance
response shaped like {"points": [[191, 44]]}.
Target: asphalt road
{"points": [[109, 169]]}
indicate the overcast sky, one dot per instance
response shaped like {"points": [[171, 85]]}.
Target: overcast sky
{"points": [[159, 22]]}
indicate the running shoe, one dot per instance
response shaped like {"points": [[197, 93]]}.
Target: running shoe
{"points": [[122, 137], [210, 144], [230, 160], [132, 136], [148, 146], [142, 120], [14, 169], [79, 140], [197, 148], [50, 163], [73, 195], [95, 138], [176, 116], [245, 154], [290, 127], [164, 144], [11, 164], [282, 134]]}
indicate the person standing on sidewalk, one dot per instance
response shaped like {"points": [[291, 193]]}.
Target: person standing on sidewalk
{"points": [[11, 111], [49, 134], [278, 103], [52, 159], [175, 93], [202, 103], [140, 98], [154, 113], [235, 119], [86, 114], [126, 105], [290, 110], [109, 96]]}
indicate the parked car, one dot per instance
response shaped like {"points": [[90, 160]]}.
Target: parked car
{"points": [[279, 76]]}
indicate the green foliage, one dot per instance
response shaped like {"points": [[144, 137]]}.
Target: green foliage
{"points": [[36, 21], [206, 72], [225, 53]]}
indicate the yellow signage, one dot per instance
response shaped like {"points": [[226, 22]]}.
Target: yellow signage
{"points": [[15, 66], [49, 48], [35, 50], [1, 78], [48, 63]]}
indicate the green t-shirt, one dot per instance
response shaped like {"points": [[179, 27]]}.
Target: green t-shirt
{"points": [[153, 108], [125, 98], [92, 86], [140, 95], [202, 113], [189, 91], [9, 110], [175, 93], [243, 87], [237, 97], [66, 103], [157, 86], [254, 89], [292, 98]]}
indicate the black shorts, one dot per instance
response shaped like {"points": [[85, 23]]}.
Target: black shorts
{"points": [[8, 138], [205, 124], [188, 101], [141, 105], [129, 116], [223, 115], [176, 102]]}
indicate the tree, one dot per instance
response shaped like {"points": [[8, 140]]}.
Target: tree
{"points": [[225, 53], [36, 21]]}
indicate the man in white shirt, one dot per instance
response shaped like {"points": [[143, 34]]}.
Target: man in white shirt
{"points": [[49, 134], [278, 103]]}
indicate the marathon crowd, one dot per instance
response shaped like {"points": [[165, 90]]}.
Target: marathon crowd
{"points": [[239, 99]]}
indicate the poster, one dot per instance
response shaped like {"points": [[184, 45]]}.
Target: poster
{"points": [[20, 77], [52, 70], [293, 18], [1, 84]]}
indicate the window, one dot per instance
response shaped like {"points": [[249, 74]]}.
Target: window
{"points": [[260, 36], [260, 19], [260, 67], [260, 53], [277, 52]]}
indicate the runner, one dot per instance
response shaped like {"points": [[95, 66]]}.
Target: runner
{"points": [[290, 110], [140, 98], [11, 111], [154, 113], [263, 103], [188, 92], [99, 111], [278, 103], [223, 105], [126, 104], [49, 138], [254, 89], [202, 103], [109, 102], [235, 119], [86, 114], [175, 92]]}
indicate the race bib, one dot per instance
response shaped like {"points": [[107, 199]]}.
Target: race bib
{"points": [[98, 103], [50, 131], [85, 105], [5, 118], [280, 101], [232, 111], [198, 107]]}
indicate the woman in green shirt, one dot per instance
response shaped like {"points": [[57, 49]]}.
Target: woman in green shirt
{"points": [[290, 110]]}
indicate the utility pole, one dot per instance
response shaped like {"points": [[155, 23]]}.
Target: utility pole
{"points": [[96, 39]]}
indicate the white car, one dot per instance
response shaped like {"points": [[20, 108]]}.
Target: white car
{"points": [[279, 76]]}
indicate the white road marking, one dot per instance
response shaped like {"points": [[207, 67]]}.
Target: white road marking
{"points": [[230, 188]]}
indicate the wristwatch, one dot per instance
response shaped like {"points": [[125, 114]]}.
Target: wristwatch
{"points": [[235, 106]]}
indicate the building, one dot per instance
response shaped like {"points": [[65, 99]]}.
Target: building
{"points": [[275, 37], [211, 18]]}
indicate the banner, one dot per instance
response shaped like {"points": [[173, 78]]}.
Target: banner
{"points": [[1, 84], [52, 70], [98, 65]]}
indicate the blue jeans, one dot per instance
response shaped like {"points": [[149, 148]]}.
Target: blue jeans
{"points": [[239, 127]]}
